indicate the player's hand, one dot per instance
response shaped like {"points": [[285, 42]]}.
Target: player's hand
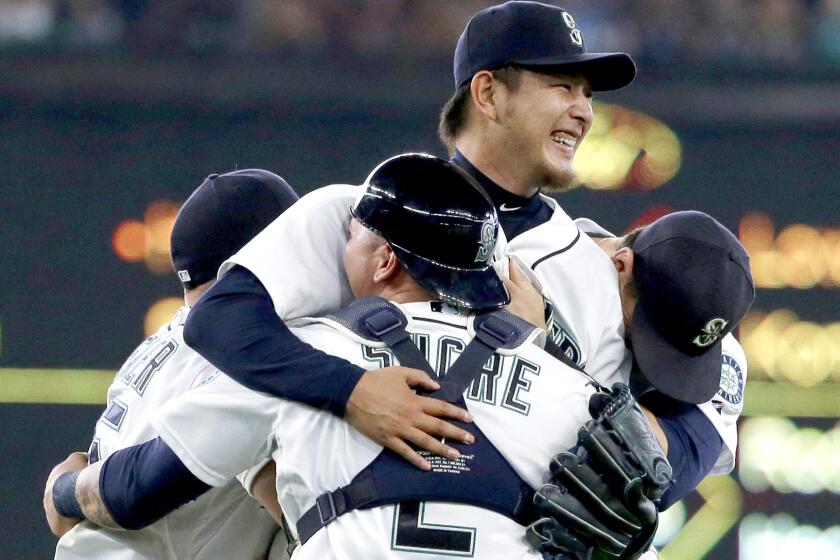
{"points": [[526, 301], [57, 522], [384, 408]]}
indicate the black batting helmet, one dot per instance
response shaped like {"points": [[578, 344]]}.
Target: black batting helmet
{"points": [[441, 225]]}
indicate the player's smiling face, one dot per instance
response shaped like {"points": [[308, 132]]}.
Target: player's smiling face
{"points": [[545, 117]]}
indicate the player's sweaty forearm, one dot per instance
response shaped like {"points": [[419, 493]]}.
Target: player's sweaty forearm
{"points": [[90, 500], [86, 492]]}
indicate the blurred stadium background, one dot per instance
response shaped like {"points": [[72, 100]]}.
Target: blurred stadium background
{"points": [[112, 111]]}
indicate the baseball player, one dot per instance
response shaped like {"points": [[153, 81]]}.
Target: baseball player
{"points": [[422, 236], [223, 214], [660, 268], [725, 406], [522, 106]]}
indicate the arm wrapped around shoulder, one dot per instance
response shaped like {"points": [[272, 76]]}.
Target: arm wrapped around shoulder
{"points": [[602, 500]]}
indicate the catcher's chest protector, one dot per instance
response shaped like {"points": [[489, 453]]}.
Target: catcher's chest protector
{"points": [[481, 477]]}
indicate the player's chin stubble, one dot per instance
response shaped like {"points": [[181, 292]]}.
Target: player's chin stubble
{"points": [[557, 181]]}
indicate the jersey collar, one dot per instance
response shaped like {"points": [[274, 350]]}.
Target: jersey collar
{"points": [[505, 201]]}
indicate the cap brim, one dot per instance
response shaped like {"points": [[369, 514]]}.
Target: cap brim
{"points": [[688, 378], [473, 289], [605, 71]]}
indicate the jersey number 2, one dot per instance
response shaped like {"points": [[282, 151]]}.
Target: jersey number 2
{"points": [[412, 533]]}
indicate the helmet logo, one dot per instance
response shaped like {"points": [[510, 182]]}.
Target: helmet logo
{"points": [[711, 332], [487, 242], [574, 32]]}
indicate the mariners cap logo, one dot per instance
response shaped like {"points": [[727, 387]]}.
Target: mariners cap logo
{"points": [[574, 32], [487, 242], [711, 332]]}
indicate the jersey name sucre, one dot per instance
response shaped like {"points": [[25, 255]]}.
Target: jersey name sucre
{"points": [[161, 368], [527, 403]]}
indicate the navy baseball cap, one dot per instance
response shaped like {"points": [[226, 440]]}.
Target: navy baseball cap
{"points": [[694, 285], [541, 36], [223, 214]]}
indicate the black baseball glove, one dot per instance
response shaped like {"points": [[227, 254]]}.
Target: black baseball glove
{"points": [[601, 502]]}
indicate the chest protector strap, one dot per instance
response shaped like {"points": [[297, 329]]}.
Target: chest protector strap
{"points": [[481, 477], [388, 325]]}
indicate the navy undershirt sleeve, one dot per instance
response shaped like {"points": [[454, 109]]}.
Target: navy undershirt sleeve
{"points": [[141, 484], [234, 326], [694, 446]]}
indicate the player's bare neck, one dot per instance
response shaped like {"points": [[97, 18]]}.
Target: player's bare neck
{"points": [[404, 292], [608, 245], [192, 296], [495, 166]]}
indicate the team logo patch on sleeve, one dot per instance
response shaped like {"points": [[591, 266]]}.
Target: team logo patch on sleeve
{"points": [[731, 380]]}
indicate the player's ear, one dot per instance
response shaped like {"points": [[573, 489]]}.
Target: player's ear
{"points": [[483, 90], [623, 261], [387, 264]]}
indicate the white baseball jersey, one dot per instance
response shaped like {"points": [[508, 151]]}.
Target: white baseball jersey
{"points": [[724, 409], [529, 408], [159, 370], [576, 276]]}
